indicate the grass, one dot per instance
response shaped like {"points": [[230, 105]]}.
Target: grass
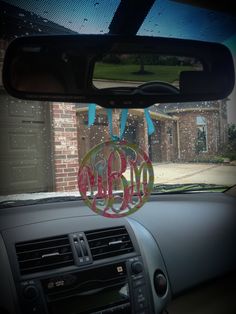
{"points": [[126, 72]]}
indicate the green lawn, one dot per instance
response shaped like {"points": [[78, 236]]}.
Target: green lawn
{"points": [[124, 72]]}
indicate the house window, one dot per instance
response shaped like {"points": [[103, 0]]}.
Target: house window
{"points": [[201, 145], [100, 120], [170, 135]]}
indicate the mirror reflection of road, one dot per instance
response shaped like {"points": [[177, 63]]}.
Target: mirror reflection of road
{"points": [[178, 173], [108, 83], [100, 83]]}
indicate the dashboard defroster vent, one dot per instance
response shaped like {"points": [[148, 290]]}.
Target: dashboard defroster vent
{"points": [[110, 242], [44, 254]]}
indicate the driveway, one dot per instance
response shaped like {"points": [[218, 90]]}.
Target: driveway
{"points": [[174, 173], [110, 83]]}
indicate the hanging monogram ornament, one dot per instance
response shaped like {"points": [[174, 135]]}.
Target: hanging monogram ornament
{"points": [[115, 178]]}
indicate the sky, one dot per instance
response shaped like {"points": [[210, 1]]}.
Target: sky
{"points": [[172, 19], [166, 18]]}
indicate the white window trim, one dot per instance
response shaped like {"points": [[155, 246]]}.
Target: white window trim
{"points": [[206, 132]]}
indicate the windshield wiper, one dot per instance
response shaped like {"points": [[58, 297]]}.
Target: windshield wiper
{"points": [[187, 188], [46, 200]]}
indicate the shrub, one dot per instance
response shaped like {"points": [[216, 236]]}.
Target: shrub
{"points": [[229, 151], [209, 159]]}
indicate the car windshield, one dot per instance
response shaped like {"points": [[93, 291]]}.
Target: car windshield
{"points": [[192, 145]]}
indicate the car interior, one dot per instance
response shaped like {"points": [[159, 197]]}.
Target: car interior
{"points": [[170, 250]]}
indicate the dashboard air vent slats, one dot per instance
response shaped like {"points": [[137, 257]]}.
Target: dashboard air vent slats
{"points": [[110, 242], [44, 254]]}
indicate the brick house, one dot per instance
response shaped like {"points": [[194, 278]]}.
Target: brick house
{"points": [[202, 128], [183, 131]]}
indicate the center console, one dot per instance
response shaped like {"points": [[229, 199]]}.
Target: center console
{"points": [[118, 287], [99, 270], [87, 264]]}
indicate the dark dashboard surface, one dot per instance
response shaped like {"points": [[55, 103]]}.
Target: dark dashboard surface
{"points": [[195, 233], [156, 207]]}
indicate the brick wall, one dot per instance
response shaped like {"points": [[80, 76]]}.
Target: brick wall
{"points": [[158, 145], [88, 137], [142, 134], [65, 146], [99, 132], [155, 143], [167, 146], [223, 125]]}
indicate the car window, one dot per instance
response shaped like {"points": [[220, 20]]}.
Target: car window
{"points": [[193, 146]]}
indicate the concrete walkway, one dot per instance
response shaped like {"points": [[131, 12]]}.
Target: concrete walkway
{"points": [[174, 173]]}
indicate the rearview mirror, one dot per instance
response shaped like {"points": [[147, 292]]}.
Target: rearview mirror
{"points": [[115, 71]]}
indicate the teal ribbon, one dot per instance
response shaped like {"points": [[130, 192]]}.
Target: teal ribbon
{"points": [[124, 116], [150, 125], [91, 114]]}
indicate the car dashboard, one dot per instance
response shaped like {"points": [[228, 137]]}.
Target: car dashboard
{"points": [[63, 258]]}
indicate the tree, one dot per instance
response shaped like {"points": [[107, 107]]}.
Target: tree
{"points": [[230, 150], [142, 60], [232, 132]]}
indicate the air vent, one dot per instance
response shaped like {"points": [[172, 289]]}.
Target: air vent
{"points": [[44, 254], [110, 242]]}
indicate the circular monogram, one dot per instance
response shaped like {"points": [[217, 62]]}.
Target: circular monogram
{"points": [[115, 178]]}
